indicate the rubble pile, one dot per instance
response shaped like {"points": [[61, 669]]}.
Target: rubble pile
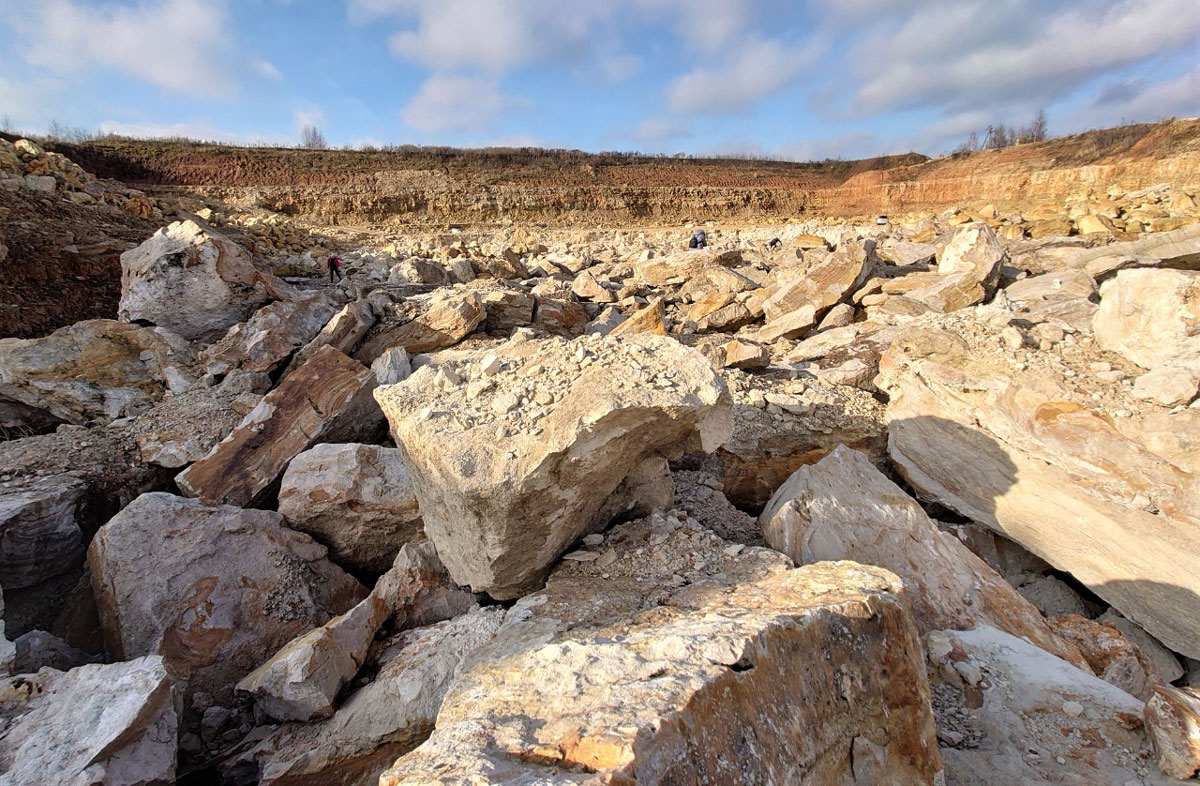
{"points": [[907, 503]]}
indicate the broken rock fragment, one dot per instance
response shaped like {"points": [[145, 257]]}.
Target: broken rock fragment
{"points": [[356, 499], [326, 399], [113, 724], [40, 532], [1172, 718], [524, 460], [263, 342]]}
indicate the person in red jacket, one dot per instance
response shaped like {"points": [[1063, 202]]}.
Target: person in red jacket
{"points": [[335, 268]]}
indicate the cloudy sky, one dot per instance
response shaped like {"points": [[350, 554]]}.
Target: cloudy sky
{"points": [[802, 79]]}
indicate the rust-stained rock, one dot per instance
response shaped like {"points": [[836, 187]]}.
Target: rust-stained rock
{"points": [[193, 281], [760, 674], [560, 317], [819, 288], [418, 589], [842, 508], [214, 590], [1111, 657], [92, 372], [326, 399], [1172, 718]]}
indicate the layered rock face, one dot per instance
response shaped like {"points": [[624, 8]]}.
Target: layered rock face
{"points": [[1127, 522], [193, 281], [587, 681], [493, 441]]}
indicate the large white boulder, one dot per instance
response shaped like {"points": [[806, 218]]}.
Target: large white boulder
{"points": [[515, 452], [194, 281]]}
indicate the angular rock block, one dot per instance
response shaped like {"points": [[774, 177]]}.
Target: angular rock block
{"points": [[842, 508], [448, 321], [114, 724], [419, 591], [343, 332], [193, 281], [356, 499], [214, 590], [1151, 317], [1172, 718], [263, 342], [760, 675], [506, 484], [328, 399]]}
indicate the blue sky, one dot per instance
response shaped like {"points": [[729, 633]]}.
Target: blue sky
{"points": [[806, 79]]}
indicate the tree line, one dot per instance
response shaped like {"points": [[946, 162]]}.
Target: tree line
{"points": [[1000, 136]]}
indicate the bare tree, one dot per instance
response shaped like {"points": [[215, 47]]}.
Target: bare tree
{"points": [[6, 124], [311, 138]]}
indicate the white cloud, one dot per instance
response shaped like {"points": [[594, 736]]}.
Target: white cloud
{"points": [[618, 67], [659, 129], [457, 103], [179, 45], [757, 70], [976, 52], [307, 115], [1141, 102], [192, 130], [267, 70]]}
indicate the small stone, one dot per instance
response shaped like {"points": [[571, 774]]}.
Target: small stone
{"points": [[1073, 708], [582, 556]]}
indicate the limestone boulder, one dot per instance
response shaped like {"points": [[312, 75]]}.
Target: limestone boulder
{"points": [[271, 336], [384, 719], [507, 309], [1179, 249], [447, 321], [843, 508], [949, 292], [193, 281], [227, 589], [681, 267], [356, 499], [511, 467], [392, 366], [112, 724], [1014, 451], [973, 249], [818, 289], [560, 317], [41, 529], [328, 399], [301, 682], [1009, 712], [750, 673], [89, 373], [1172, 718], [418, 589], [1151, 317]]}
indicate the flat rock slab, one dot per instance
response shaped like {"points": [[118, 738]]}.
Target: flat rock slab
{"points": [[194, 281], [1006, 450], [761, 674], [263, 342], [842, 508], [328, 399], [112, 724], [214, 590], [513, 452]]}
